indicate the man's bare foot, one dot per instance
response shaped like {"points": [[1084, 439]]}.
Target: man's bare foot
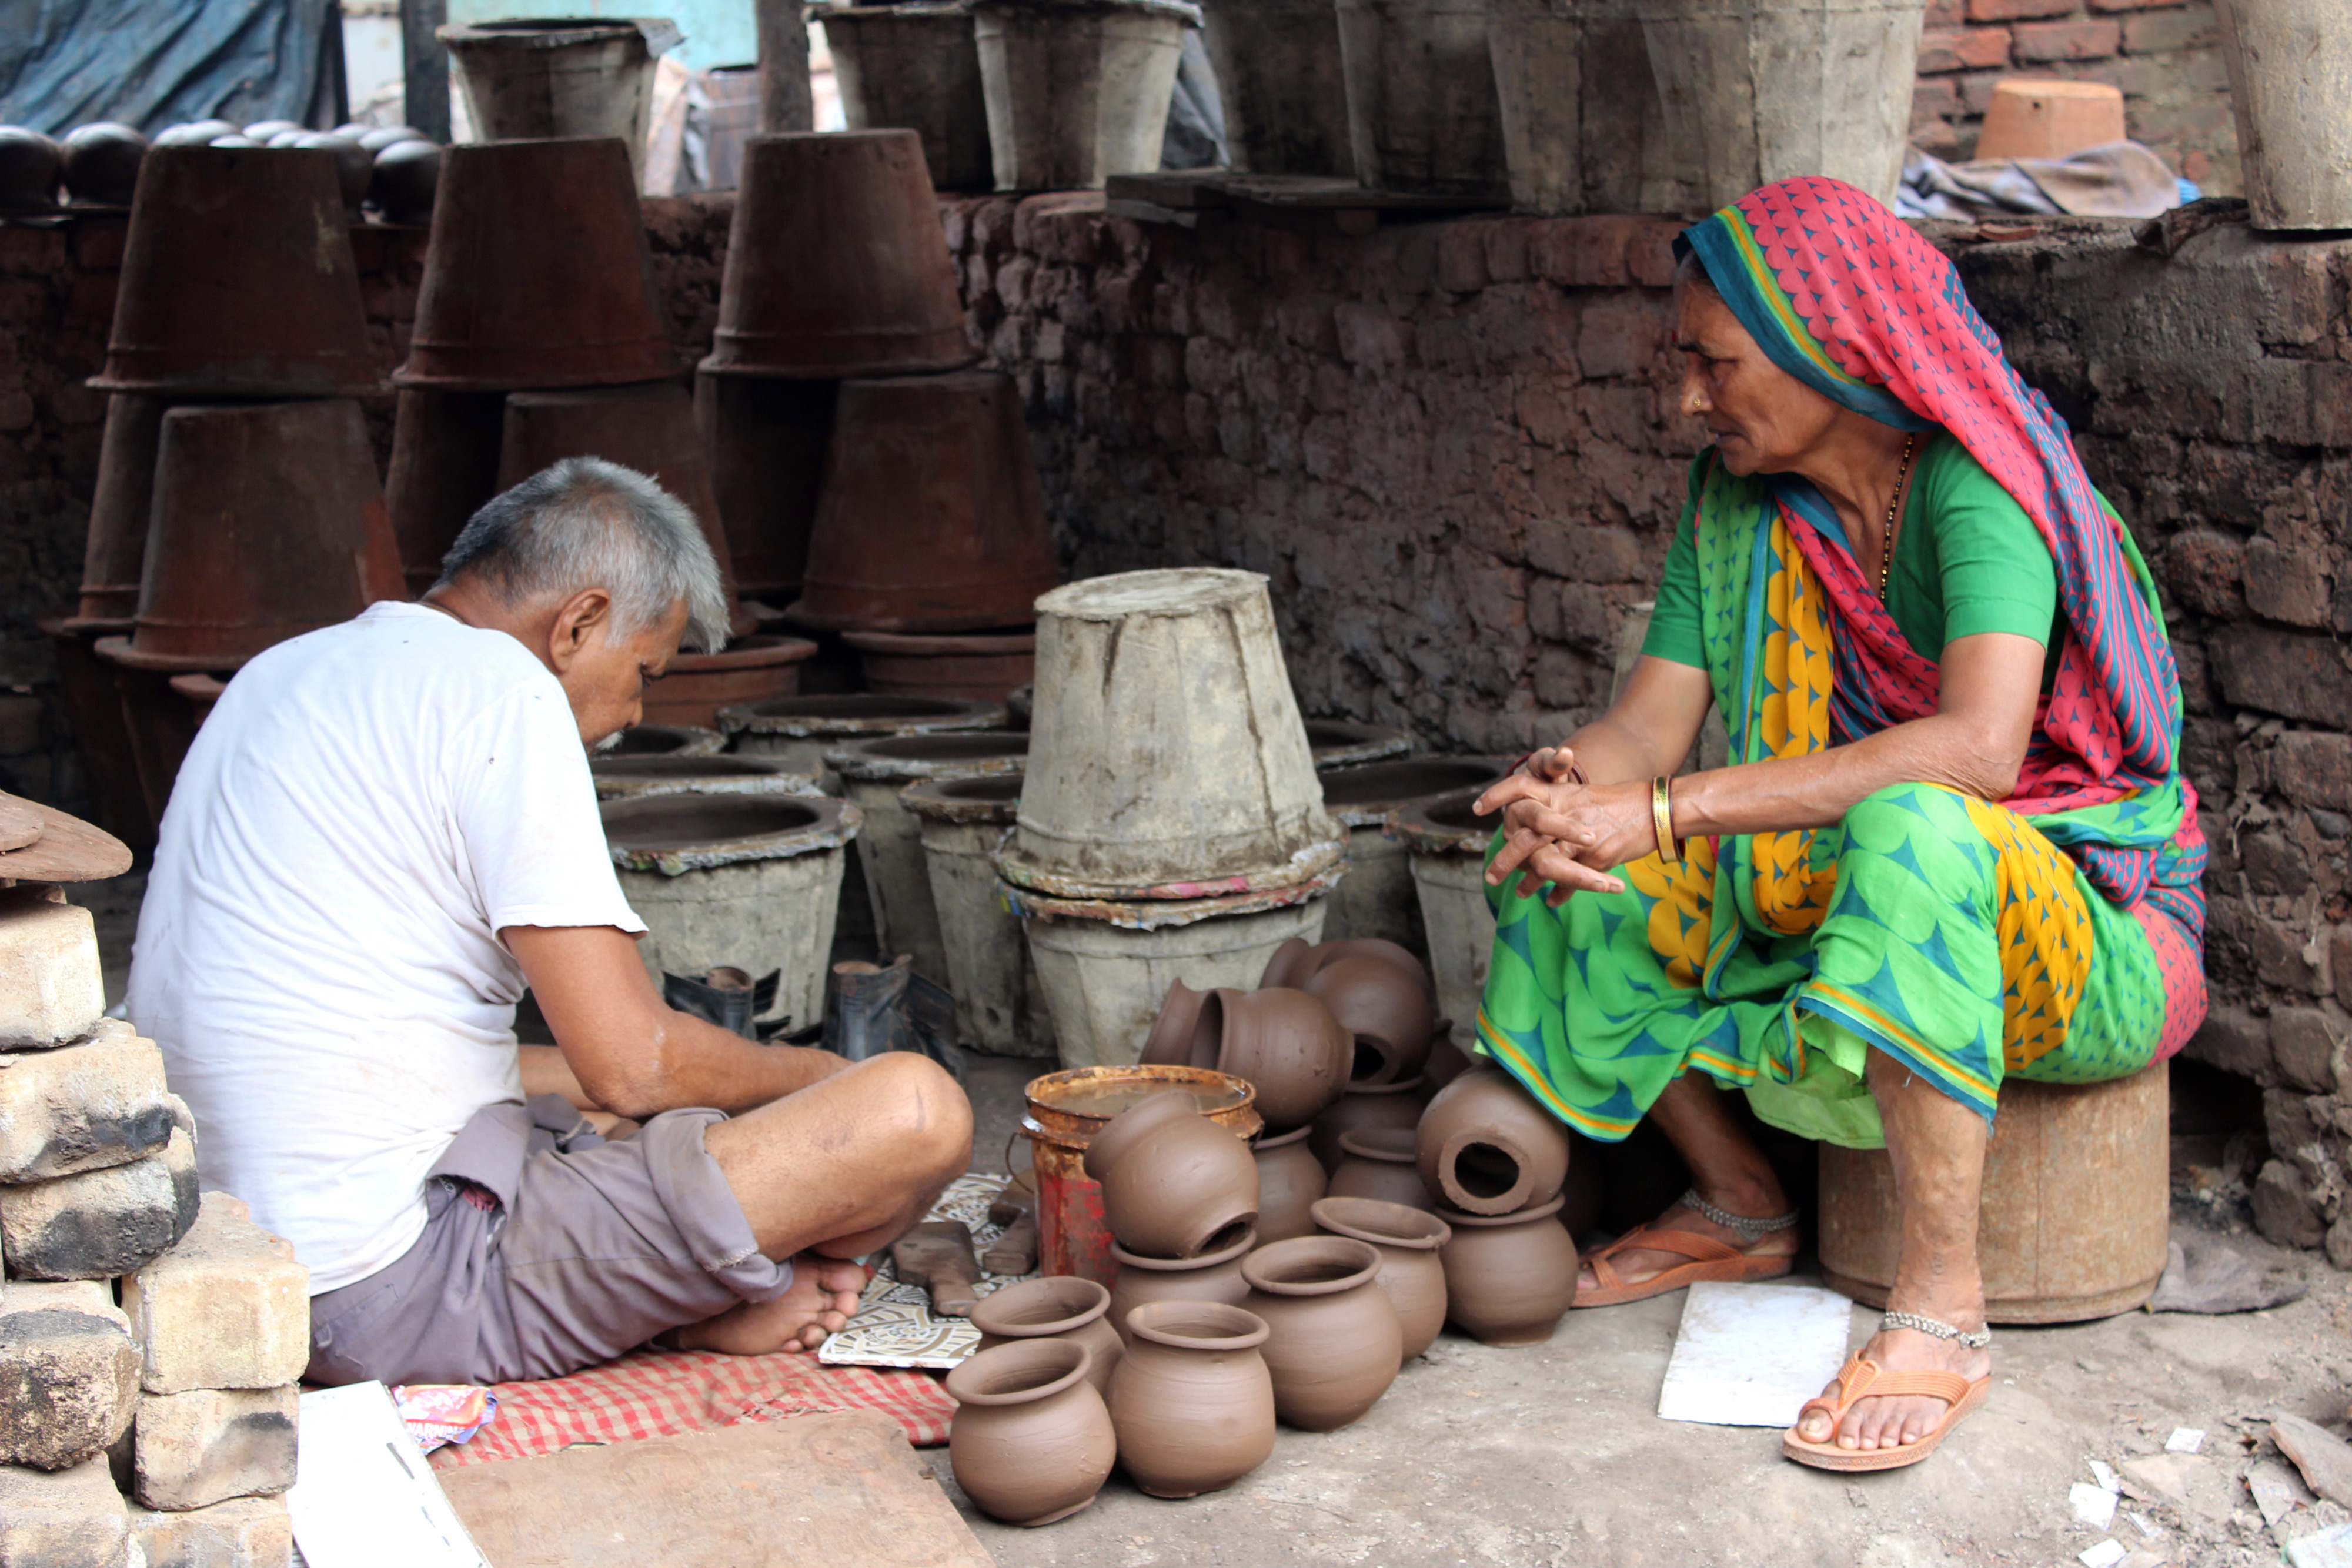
{"points": [[1898, 1422], [820, 1301], [1638, 1264]]}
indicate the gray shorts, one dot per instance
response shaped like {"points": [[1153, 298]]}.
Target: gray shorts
{"points": [[548, 1249]]}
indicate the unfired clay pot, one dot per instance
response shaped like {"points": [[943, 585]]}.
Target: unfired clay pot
{"points": [[1032, 1440], [1336, 1342], [1380, 1164], [1508, 1276], [1191, 1400], [1175, 1184], [1285, 1042], [1411, 1275], [1385, 1008], [1365, 1108], [1296, 959], [1487, 1147], [1058, 1306], [1289, 1180], [1214, 1278], [1447, 1061]]}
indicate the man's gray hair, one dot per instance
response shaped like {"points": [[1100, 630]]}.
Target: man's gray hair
{"points": [[586, 523]]}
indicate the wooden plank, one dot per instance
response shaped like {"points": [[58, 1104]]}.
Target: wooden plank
{"points": [[841, 1488], [1183, 189]]}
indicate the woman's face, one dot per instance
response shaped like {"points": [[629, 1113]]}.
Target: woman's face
{"points": [[1763, 419]]}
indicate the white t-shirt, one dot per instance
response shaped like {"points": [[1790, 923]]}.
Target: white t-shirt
{"points": [[318, 955]]}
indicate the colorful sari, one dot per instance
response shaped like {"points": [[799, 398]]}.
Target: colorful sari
{"points": [[2053, 937]]}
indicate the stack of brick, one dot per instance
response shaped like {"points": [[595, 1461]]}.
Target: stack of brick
{"points": [[150, 1338]]}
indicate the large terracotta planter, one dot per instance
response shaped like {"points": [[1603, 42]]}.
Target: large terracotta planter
{"points": [[1378, 898], [1422, 112], [983, 664], [1448, 844], [1284, 91], [2290, 66], [532, 79]]}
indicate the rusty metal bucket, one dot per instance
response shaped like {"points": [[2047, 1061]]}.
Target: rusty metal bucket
{"points": [[1067, 1110], [876, 297], [932, 517], [268, 523], [748, 670], [445, 464], [538, 272], [766, 439], [238, 281]]}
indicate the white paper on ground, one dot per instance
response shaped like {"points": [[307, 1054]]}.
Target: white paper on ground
{"points": [[2184, 1440], [2328, 1549], [1750, 1356], [2094, 1505], [2108, 1481], [2106, 1554], [364, 1496]]}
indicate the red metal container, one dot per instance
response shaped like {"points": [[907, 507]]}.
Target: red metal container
{"points": [[748, 670], [445, 464], [538, 272], [932, 518], [237, 280], [94, 710], [268, 523], [874, 296], [766, 439], [979, 666]]}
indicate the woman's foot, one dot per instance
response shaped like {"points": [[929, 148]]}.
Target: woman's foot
{"points": [[1636, 1265], [820, 1301], [1900, 1421]]}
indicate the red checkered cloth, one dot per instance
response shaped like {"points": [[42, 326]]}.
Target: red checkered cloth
{"points": [[659, 1394]]}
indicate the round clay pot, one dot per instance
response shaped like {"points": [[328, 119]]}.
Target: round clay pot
{"points": [[1059, 1306], [403, 179], [1508, 1276], [195, 133], [1142, 1281], [1193, 1402], [30, 164], [1285, 1042], [1365, 1108], [1031, 1439], [1175, 1184], [1295, 961], [1386, 1010], [1289, 1180], [1380, 1164], [1411, 1275], [1487, 1147], [383, 136], [1448, 1060], [1335, 1343], [101, 162], [1292, 962]]}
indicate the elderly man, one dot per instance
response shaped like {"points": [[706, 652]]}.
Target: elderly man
{"points": [[384, 831]]}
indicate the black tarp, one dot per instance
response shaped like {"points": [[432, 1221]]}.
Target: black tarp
{"points": [[153, 63]]}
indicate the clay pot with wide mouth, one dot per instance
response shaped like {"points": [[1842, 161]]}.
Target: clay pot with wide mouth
{"points": [[1192, 1401], [1175, 1184], [1212, 1277], [1334, 1343], [1386, 1010], [1058, 1306], [1366, 1108], [1032, 1440], [1289, 1180], [1295, 961], [626, 778], [1284, 1041], [1508, 1276], [1380, 1163], [1487, 1147], [1411, 1274]]}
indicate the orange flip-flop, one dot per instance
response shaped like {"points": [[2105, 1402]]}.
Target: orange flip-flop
{"points": [[1865, 1379], [1710, 1259]]}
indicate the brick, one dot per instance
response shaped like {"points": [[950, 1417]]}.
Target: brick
{"points": [[1581, 253], [62, 1519], [2303, 1042], [228, 1307], [2285, 673], [2158, 32], [22, 724], [2313, 767], [243, 1532], [2234, 1041], [1621, 337], [50, 987], [2017, 10], [101, 1224], [2132, 5], [68, 1373], [2036, 42], [2283, 1210], [194, 1450], [1963, 48], [1462, 258], [82, 1107]]}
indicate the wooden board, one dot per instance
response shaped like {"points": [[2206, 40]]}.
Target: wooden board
{"points": [[1296, 201], [841, 1488]]}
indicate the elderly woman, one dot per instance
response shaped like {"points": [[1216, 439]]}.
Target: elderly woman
{"points": [[1953, 845]]}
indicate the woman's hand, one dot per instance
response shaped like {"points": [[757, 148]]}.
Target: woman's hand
{"points": [[1564, 833]]}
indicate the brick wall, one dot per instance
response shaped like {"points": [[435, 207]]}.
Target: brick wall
{"points": [[2163, 54]]}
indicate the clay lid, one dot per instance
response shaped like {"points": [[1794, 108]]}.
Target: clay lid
{"points": [[832, 715], [1363, 797], [628, 778], [991, 800], [1341, 743], [943, 644], [1176, 590], [888, 757], [44, 845], [1445, 826], [1156, 909], [676, 833], [662, 740]]}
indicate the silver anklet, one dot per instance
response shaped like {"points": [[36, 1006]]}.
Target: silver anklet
{"points": [[1937, 1328], [1750, 1231]]}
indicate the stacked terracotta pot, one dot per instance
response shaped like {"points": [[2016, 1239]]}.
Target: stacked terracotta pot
{"points": [[237, 502], [538, 337], [1497, 1164], [866, 478]]}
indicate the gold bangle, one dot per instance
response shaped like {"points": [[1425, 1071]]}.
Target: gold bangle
{"points": [[1662, 816]]}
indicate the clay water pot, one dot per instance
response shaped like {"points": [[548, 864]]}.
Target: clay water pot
{"points": [[1411, 1275], [1192, 1401], [1284, 1041], [1508, 1276], [1058, 1306], [238, 281], [876, 298], [29, 167], [1380, 1164], [444, 466], [766, 438], [538, 272], [1334, 1343], [1215, 1277], [1386, 1010], [1032, 1440], [1289, 1180], [1294, 961], [1366, 1108], [932, 517], [101, 163], [1448, 1060], [1175, 1184], [1487, 1147], [405, 177]]}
